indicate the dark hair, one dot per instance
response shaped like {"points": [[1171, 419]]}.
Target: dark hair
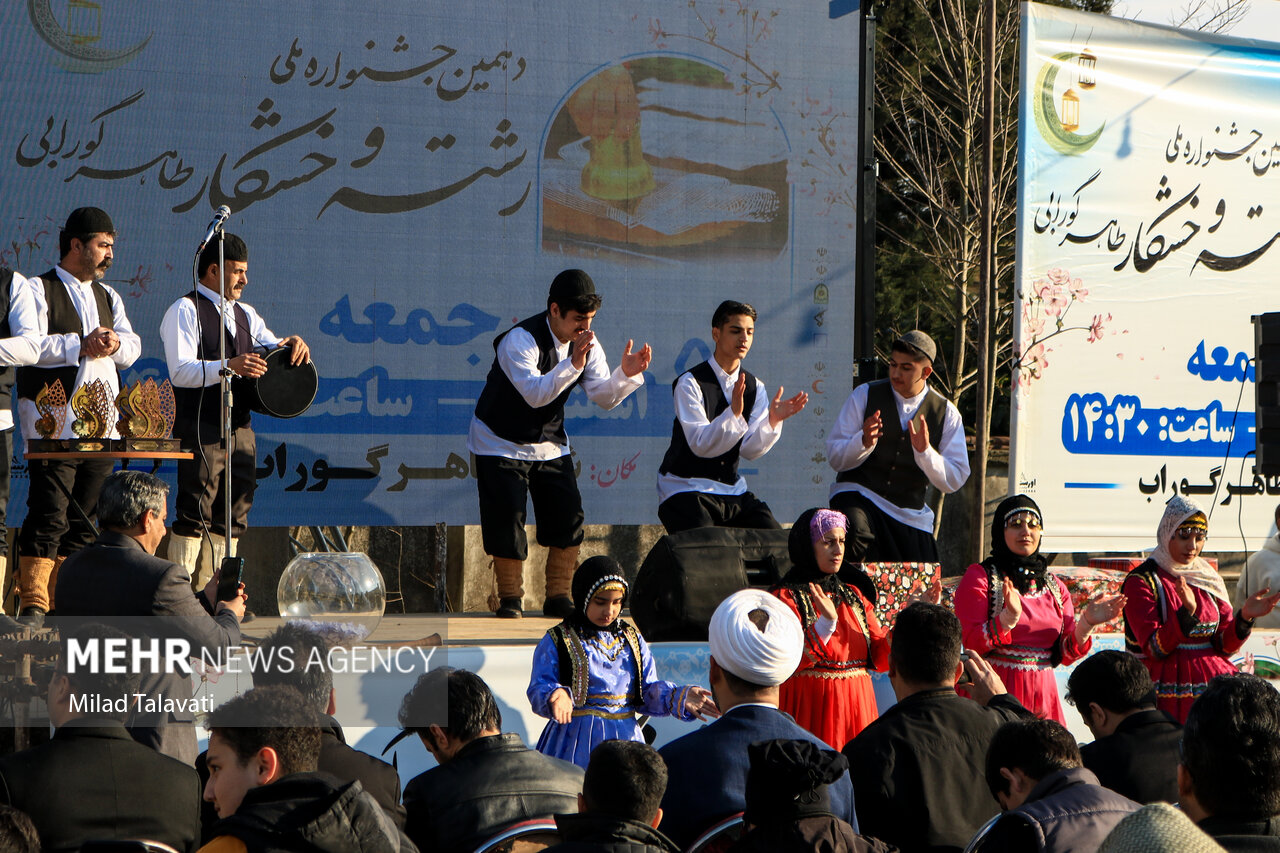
{"points": [[1231, 747], [730, 308], [103, 683], [1116, 680], [926, 644], [277, 717], [625, 780], [472, 708], [1036, 747], [17, 833], [296, 668], [233, 249], [584, 304], [127, 495], [914, 353]]}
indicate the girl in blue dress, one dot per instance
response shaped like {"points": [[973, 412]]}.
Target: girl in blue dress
{"points": [[593, 673]]}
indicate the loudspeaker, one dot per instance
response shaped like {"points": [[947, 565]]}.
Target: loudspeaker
{"points": [[686, 575], [1266, 391]]}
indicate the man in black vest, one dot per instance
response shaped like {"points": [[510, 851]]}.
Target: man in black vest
{"points": [[190, 334], [722, 413], [85, 336], [16, 300], [519, 441], [892, 439]]}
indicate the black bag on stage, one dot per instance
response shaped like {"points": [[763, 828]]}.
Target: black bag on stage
{"points": [[686, 576]]}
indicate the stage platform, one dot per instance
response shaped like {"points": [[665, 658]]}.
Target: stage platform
{"points": [[460, 629]]}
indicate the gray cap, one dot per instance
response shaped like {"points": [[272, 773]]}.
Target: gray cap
{"points": [[918, 340]]}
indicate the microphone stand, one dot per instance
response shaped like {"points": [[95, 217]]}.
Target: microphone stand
{"points": [[224, 378]]}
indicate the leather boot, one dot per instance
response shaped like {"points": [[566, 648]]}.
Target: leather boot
{"points": [[53, 580], [185, 551], [510, 576], [33, 589], [561, 564]]}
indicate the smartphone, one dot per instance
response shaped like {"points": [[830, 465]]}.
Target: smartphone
{"points": [[229, 574], [964, 674]]}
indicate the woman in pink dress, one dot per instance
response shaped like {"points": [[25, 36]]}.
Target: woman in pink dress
{"points": [[1179, 618], [1019, 617]]}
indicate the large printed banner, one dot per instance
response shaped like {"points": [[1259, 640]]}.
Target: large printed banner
{"points": [[1146, 242], [410, 176]]}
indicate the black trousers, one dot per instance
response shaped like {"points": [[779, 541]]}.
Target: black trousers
{"points": [[688, 510], [505, 487], [52, 528], [6, 466], [202, 482], [874, 537]]}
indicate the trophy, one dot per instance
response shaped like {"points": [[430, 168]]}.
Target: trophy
{"points": [[51, 404], [146, 412], [91, 405]]}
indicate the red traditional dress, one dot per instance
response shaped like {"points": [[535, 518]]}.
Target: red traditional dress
{"points": [[1026, 656], [830, 694]]}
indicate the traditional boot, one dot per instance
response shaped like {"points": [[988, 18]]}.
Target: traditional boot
{"points": [[53, 580], [510, 575], [561, 564], [185, 551], [33, 589]]}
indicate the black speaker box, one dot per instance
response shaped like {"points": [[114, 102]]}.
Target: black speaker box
{"points": [[1266, 389]]}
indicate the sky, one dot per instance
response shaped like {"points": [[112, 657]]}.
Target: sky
{"points": [[1262, 22]]}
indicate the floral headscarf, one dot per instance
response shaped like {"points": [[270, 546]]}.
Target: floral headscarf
{"points": [[1179, 512]]}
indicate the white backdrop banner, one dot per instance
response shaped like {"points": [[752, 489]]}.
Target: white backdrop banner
{"points": [[410, 176], [1146, 228]]}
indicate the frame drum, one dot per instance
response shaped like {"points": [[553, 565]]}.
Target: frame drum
{"points": [[284, 391]]}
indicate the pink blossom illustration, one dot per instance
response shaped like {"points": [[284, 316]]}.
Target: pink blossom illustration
{"points": [[1044, 317]]}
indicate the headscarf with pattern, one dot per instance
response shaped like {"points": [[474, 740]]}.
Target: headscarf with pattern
{"points": [[1028, 573], [1182, 511], [595, 574]]}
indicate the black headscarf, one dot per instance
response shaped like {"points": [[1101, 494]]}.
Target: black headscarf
{"points": [[1027, 573], [804, 571], [594, 573]]}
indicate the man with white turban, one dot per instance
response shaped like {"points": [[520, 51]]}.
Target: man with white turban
{"points": [[756, 643]]}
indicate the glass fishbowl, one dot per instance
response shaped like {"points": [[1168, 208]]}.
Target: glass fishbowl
{"points": [[341, 594]]}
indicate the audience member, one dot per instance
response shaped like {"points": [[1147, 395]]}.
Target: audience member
{"points": [[487, 780], [93, 781], [788, 808], [1229, 778], [619, 805], [1158, 828], [1261, 572], [756, 643], [1052, 804], [17, 832], [918, 770], [119, 580], [1135, 747], [263, 750]]}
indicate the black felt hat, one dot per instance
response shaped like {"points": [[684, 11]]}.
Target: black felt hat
{"points": [[570, 285], [788, 780], [84, 221]]}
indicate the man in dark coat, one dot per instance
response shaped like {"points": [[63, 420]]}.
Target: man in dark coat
{"points": [[1136, 746], [918, 769], [756, 643], [92, 781], [1229, 778], [1052, 804], [618, 807], [486, 780], [118, 580]]}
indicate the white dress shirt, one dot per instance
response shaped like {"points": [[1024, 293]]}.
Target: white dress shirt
{"points": [[22, 348], [180, 332], [947, 467], [709, 439], [63, 349], [518, 358]]}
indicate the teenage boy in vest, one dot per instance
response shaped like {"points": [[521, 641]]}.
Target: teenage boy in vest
{"points": [[84, 335], [16, 300], [519, 441], [894, 438], [190, 334], [722, 413]]}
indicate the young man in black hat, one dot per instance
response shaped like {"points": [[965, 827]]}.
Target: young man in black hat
{"points": [[722, 413], [85, 335], [519, 440], [190, 335], [893, 439]]}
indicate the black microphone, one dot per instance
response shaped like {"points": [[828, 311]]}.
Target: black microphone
{"points": [[219, 219]]}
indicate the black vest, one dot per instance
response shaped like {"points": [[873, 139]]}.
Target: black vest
{"points": [[891, 470], [202, 407], [7, 373], [504, 411], [63, 320], [680, 460]]}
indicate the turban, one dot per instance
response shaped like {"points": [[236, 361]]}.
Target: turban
{"points": [[764, 654]]}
